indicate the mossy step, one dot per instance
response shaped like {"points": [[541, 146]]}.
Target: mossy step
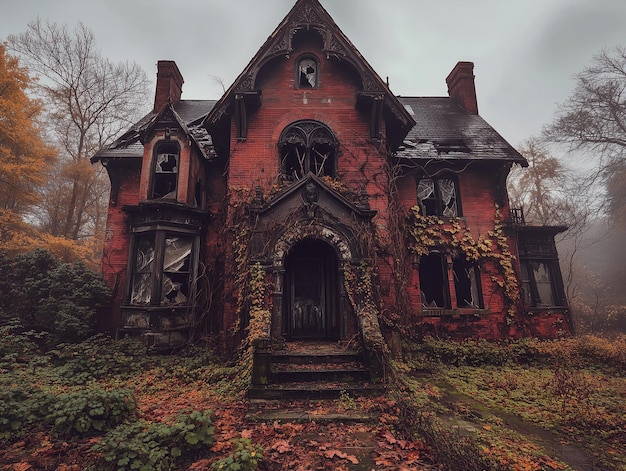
{"points": [[313, 390]]}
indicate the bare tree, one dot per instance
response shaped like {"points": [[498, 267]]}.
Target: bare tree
{"points": [[89, 100], [594, 117]]}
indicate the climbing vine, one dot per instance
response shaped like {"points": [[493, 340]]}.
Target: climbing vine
{"points": [[425, 233]]}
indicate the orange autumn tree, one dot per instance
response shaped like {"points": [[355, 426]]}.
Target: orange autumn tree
{"points": [[24, 157]]}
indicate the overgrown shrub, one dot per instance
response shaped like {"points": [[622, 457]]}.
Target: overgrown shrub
{"points": [[48, 296], [16, 412], [99, 357], [155, 446], [245, 457], [586, 350], [467, 352], [89, 410], [16, 344]]}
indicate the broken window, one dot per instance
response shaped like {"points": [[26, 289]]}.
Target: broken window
{"points": [[307, 73], [438, 197], [165, 176], [162, 269], [466, 283], [307, 146], [537, 283], [433, 275]]}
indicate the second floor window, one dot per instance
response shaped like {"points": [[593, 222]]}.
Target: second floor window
{"points": [[438, 197], [165, 173], [307, 146]]}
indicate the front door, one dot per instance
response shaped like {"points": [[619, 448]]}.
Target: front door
{"points": [[311, 293], [308, 319]]}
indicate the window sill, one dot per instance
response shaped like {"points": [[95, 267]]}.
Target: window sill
{"points": [[454, 313]]}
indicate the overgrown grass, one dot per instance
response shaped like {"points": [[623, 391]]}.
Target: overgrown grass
{"points": [[572, 388]]}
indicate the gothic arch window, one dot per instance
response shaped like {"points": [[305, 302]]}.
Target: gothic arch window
{"points": [[307, 146], [307, 72], [165, 171]]}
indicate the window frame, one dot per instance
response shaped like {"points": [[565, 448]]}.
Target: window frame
{"points": [[306, 135], [437, 199], [158, 272], [461, 262], [298, 82], [530, 286], [448, 279], [155, 175]]}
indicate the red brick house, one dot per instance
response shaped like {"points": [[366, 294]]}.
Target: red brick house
{"points": [[310, 192]]}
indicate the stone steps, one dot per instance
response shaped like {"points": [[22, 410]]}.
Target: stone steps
{"points": [[315, 371]]}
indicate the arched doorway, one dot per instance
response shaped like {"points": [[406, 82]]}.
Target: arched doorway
{"points": [[311, 292]]}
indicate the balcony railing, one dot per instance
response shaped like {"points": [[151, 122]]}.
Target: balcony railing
{"points": [[517, 216]]}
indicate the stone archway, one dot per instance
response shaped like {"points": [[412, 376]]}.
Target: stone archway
{"points": [[309, 296]]}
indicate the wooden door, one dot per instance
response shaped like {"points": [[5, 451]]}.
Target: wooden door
{"points": [[308, 299]]}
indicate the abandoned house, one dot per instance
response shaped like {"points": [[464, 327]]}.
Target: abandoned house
{"points": [[312, 202]]}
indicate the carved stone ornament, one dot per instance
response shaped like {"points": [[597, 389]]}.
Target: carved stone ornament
{"points": [[310, 196]]}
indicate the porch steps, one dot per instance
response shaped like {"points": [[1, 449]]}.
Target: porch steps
{"points": [[316, 371]]}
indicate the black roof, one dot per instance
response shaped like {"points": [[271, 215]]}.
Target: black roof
{"points": [[443, 130]]}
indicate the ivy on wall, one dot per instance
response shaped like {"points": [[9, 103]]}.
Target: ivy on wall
{"points": [[425, 233]]}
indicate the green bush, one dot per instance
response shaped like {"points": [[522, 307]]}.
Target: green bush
{"points": [[16, 344], [89, 410], [15, 413], [99, 357], [48, 296], [245, 457], [155, 446]]}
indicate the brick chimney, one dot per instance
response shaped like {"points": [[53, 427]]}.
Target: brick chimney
{"points": [[461, 86], [169, 86]]}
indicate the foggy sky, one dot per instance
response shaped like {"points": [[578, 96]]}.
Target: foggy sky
{"points": [[525, 52]]}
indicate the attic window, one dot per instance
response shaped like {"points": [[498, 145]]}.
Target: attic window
{"points": [[165, 174], [307, 73], [307, 146]]}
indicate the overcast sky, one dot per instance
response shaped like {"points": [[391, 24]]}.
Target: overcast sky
{"points": [[525, 51]]}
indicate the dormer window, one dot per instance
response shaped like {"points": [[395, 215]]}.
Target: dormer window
{"points": [[307, 75], [307, 146], [165, 175]]}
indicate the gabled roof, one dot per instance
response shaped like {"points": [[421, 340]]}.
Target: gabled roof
{"points": [[187, 113], [320, 184], [443, 130], [310, 15]]}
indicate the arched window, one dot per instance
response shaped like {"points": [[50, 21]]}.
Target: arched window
{"points": [[165, 171], [307, 146], [307, 72]]}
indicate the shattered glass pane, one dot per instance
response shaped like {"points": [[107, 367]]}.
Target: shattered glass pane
{"points": [[308, 75], [426, 197], [448, 198], [142, 276], [176, 270], [142, 288], [543, 282], [167, 163]]}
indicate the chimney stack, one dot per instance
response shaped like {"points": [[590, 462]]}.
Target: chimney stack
{"points": [[169, 86], [461, 86]]}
